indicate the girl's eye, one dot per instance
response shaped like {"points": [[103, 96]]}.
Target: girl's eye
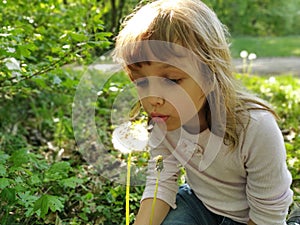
{"points": [[141, 82], [172, 81]]}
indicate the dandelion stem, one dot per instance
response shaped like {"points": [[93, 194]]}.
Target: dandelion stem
{"points": [[128, 187], [159, 167], [249, 67], [154, 198], [244, 65]]}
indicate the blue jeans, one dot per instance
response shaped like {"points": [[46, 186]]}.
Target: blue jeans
{"points": [[191, 211]]}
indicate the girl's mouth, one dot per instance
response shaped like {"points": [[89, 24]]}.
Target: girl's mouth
{"points": [[158, 118]]}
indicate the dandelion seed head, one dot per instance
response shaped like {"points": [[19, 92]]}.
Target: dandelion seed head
{"points": [[244, 54], [252, 56], [129, 137]]}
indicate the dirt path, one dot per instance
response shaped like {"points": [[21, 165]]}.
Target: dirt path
{"points": [[260, 66], [272, 66]]}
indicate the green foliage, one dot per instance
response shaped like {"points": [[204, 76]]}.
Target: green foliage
{"points": [[38, 37], [258, 17], [114, 11], [255, 17], [44, 179], [46, 202]]}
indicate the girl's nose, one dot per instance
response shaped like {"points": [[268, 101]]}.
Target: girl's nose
{"points": [[153, 92], [155, 100]]}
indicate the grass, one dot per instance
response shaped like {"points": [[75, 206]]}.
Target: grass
{"points": [[267, 46]]}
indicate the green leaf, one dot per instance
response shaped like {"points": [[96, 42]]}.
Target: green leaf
{"points": [[57, 171], [46, 202], [23, 51], [27, 199], [4, 182], [71, 182], [19, 157], [55, 203], [88, 196], [78, 37], [102, 35], [34, 179], [42, 204], [2, 170], [3, 157], [8, 194]]}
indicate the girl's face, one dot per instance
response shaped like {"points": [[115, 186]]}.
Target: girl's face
{"points": [[170, 95]]}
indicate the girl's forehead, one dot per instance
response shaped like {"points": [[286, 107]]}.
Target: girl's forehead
{"points": [[151, 66]]}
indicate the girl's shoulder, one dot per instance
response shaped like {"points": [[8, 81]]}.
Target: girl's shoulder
{"points": [[257, 113], [260, 114], [262, 123]]}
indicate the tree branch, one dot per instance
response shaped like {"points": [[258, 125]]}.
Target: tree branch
{"points": [[40, 72]]}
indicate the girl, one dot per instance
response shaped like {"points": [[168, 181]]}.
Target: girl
{"points": [[228, 141]]}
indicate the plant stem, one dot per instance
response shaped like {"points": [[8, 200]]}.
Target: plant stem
{"points": [[128, 187], [159, 167], [244, 65], [154, 198], [249, 67]]}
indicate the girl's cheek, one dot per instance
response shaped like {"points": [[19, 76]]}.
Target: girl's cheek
{"points": [[145, 105]]}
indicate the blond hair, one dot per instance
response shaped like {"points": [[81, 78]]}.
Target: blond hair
{"points": [[193, 25]]}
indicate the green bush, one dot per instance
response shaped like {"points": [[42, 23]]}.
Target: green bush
{"points": [[257, 17], [39, 37], [44, 177]]}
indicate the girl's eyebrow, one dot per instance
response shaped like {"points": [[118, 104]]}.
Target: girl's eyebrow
{"points": [[138, 65], [168, 66], [134, 67]]}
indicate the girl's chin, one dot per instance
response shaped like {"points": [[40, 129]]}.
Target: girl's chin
{"points": [[171, 127], [167, 126]]}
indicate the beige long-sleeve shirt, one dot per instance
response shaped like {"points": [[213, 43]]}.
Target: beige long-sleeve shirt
{"points": [[251, 181]]}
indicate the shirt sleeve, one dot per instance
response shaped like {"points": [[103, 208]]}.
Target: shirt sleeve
{"points": [[167, 187], [268, 179]]}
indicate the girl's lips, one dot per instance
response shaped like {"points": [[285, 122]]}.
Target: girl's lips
{"points": [[158, 118]]}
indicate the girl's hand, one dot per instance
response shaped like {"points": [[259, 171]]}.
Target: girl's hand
{"points": [[250, 222], [143, 216]]}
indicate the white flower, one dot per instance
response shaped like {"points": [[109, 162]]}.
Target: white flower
{"points": [[13, 65], [244, 54], [252, 56], [113, 89], [129, 137], [11, 50], [66, 46], [272, 80]]}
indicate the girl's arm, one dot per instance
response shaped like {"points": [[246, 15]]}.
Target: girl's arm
{"points": [[268, 179], [250, 222], [160, 212]]}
